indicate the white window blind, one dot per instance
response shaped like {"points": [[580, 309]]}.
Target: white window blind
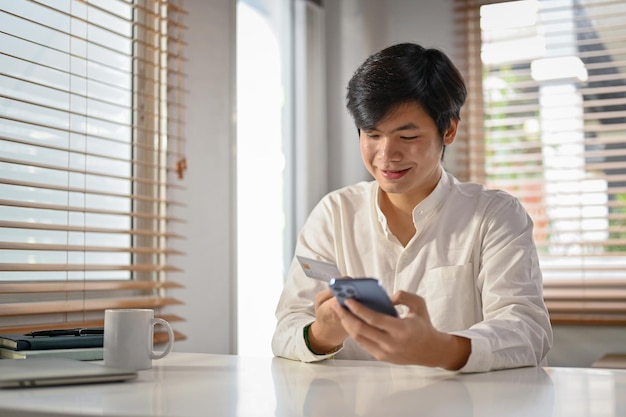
{"points": [[546, 121], [91, 146]]}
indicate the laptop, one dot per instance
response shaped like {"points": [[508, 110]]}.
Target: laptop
{"points": [[38, 372]]}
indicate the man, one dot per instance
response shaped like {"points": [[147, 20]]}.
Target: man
{"points": [[459, 259]]}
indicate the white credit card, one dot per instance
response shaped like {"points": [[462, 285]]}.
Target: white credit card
{"points": [[319, 270]]}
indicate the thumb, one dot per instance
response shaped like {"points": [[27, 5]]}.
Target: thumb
{"points": [[414, 302]]}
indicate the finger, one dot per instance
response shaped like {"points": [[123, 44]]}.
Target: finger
{"points": [[350, 322], [369, 316], [413, 302], [371, 338], [376, 347], [323, 296]]}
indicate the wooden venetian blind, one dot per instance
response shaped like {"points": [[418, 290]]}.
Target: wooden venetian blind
{"points": [[91, 100], [546, 121]]}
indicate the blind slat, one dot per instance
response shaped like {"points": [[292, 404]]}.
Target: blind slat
{"points": [[38, 81], [147, 164], [85, 248], [143, 198], [546, 141], [86, 172], [37, 107], [44, 206], [144, 94], [84, 286], [88, 229], [146, 45], [573, 294], [589, 319], [92, 106], [117, 16], [15, 267], [587, 307], [73, 306]]}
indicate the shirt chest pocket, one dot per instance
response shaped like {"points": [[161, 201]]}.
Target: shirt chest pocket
{"points": [[451, 297]]}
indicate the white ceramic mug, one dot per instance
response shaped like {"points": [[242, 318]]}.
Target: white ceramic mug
{"points": [[128, 338]]}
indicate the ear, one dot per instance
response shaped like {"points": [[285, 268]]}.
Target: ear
{"points": [[450, 134]]}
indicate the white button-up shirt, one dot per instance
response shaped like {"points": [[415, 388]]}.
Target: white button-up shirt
{"points": [[472, 258]]}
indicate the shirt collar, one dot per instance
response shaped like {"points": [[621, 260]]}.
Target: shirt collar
{"points": [[424, 209]]}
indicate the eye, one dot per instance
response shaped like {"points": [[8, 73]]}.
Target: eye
{"points": [[408, 137], [372, 135]]}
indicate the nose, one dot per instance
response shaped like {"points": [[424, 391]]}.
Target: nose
{"points": [[388, 149]]}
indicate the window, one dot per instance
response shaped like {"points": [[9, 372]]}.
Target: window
{"points": [[91, 98], [546, 121], [261, 120], [281, 163]]}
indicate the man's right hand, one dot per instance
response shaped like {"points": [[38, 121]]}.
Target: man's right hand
{"points": [[326, 333]]}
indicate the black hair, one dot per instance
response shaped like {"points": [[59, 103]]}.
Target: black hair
{"points": [[406, 73]]}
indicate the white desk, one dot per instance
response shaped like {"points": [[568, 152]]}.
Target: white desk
{"points": [[185, 384]]}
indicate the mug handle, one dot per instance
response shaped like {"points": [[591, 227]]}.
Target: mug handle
{"points": [[170, 340]]}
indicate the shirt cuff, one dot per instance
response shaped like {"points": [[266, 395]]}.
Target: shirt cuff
{"points": [[480, 358], [309, 355]]}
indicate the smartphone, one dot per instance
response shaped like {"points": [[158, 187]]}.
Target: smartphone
{"points": [[367, 291]]}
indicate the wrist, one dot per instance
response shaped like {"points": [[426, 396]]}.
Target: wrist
{"points": [[316, 344], [455, 353]]}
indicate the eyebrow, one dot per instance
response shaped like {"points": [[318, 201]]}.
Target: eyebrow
{"points": [[407, 126]]}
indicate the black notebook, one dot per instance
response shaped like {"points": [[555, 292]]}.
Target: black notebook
{"points": [[26, 342]]}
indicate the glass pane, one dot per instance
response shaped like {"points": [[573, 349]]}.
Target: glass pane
{"points": [[32, 174], [33, 53], [25, 70], [36, 23], [27, 91], [33, 113]]}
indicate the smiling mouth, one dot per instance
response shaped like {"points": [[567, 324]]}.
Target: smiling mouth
{"points": [[394, 174]]}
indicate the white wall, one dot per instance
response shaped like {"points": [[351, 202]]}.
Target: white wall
{"points": [[209, 275]]}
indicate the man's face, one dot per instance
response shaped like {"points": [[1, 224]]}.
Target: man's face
{"points": [[404, 150]]}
